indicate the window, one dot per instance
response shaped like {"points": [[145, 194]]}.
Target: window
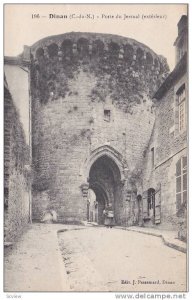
{"points": [[152, 156], [107, 115], [181, 102], [151, 202], [181, 182]]}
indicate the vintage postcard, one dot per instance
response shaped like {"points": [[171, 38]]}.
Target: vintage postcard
{"points": [[95, 148]]}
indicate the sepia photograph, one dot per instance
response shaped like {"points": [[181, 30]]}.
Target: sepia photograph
{"points": [[96, 148]]}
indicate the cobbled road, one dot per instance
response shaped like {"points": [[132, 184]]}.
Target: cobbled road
{"points": [[103, 259]]}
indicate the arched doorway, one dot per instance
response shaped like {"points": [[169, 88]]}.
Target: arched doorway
{"points": [[140, 210], [151, 203], [105, 181]]}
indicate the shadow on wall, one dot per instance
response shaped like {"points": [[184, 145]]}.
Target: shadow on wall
{"points": [[17, 174]]}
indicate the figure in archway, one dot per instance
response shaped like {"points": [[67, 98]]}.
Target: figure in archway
{"points": [[109, 216]]}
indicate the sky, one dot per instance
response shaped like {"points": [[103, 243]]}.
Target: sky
{"points": [[157, 33]]}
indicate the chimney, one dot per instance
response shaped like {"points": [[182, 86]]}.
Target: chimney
{"points": [[181, 40]]}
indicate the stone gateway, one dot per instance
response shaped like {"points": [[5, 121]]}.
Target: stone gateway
{"points": [[106, 115], [92, 118]]}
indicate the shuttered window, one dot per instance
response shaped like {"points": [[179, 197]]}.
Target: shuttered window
{"points": [[181, 94], [151, 199], [181, 182]]}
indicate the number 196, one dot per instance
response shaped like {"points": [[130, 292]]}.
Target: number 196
{"points": [[35, 16]]}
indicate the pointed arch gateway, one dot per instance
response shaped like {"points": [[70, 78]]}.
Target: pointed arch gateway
{"points": [[105, 173]]}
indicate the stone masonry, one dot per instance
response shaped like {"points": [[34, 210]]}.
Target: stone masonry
{"points": [[105, 117], [16, 172], [89, 94]]}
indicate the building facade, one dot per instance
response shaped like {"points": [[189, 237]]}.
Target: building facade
{"points": [[166, 157], [95, 125]]}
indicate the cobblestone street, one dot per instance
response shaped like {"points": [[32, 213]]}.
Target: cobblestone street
{"points": [[58, 257], [102, 259]]}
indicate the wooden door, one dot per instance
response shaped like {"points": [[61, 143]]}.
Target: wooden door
{"points": [[158, 205]]}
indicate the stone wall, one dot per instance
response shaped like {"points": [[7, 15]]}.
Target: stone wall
{"points": [[169, 146], [18, 81], [16, 172], [88, 91]]}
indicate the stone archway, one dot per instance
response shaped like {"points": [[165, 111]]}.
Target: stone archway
{"points": [[115, 191], [110, 152], [105, 180]]}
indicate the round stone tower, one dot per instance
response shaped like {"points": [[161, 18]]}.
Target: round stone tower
{"points": [[92, 118]]}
